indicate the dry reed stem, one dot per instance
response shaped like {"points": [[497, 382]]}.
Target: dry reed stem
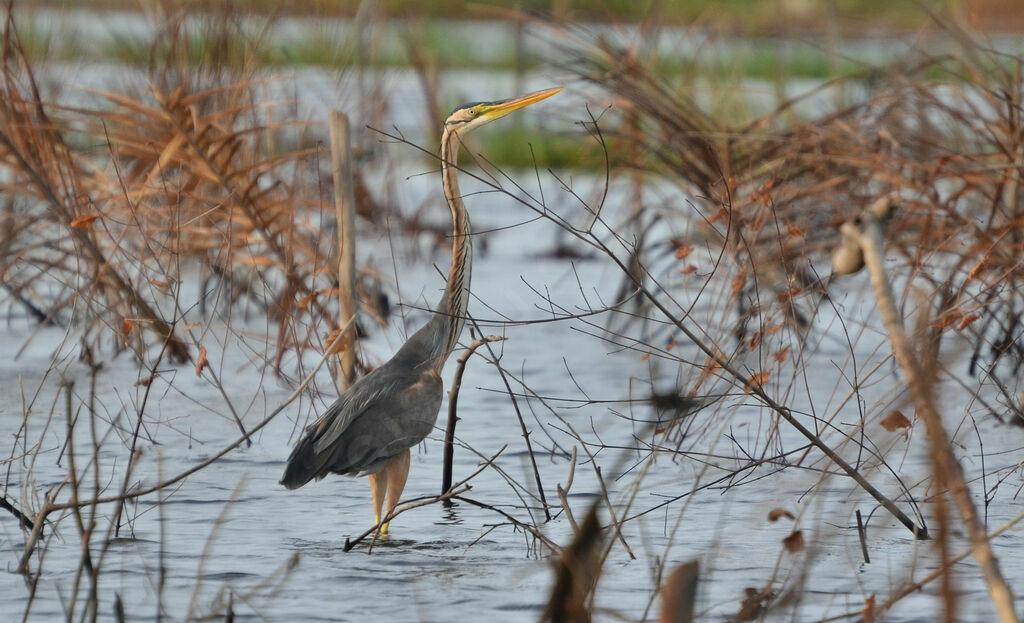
{"points": [[679, 594], [749, 385], [344, 204], [948, 472], [51, 506], [576, 574], [453, 409], [563, 493]]}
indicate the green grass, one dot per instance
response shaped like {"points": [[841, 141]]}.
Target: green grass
{"points": [[520, 147], [746, 15], [314, 49], [766, 64], [764, 61]]}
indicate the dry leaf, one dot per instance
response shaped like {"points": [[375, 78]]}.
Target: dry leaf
{"points": [[947, 319], [794, 542], [163, 285], [738, 282], [776, 513], [126, 326], [793, 230], [201, 360], [755, 340], [967, 321], [682, 252], [758, 379], [895, 421], [717, 216], [679, 593], [711, 364], [980, 266], [191, 325], [753, 605], [868, 614], [688, 269], [83, 221], [145, 381], [256, 261], [788, 294], [330, 340], [782, 354]]}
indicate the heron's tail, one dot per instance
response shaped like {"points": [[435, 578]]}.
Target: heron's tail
{"points": [[302, 464]]}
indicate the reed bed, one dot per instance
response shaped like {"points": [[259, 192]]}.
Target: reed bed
{"points": [[749, 270], [159, 221]]}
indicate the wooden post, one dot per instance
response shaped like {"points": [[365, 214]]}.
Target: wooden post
{"points": [[868, 232], [344, 204]]}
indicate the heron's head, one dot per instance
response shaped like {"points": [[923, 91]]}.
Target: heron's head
{"points": [[471, 116]]}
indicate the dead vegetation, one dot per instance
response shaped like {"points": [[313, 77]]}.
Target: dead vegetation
{"points": [[935, 146], [112, 208]]}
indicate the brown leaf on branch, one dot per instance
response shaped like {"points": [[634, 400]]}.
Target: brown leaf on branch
{"points": [[895, 421], [794, 542], [967, 321], [754, 603], [758, 379], [83, 221], [782, 354], [331, 338], [738, 282], [868, 614], [201, 361]]}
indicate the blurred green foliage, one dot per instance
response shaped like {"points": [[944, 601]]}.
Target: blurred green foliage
{"points": [[745, 15]]}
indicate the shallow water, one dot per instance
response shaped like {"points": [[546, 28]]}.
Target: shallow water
{"points": [[231, 528], [232, 532]]}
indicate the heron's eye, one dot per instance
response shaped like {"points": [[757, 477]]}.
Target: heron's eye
{"points": [[472, 112]]}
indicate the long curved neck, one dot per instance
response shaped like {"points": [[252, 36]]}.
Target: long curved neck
{"points": [[453, 306]]}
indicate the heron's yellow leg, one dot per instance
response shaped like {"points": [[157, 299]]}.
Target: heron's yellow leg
{"points": [[378, 488], [396, 472]]}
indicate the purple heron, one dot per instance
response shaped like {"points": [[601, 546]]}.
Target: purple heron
{"points": [[371, 427]]}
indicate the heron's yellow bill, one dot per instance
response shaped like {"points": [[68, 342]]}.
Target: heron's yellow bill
{"points": [[495, 110]]}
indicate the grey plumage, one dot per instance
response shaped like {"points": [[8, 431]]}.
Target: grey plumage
{"points": [[384, 413], [371, 427]]}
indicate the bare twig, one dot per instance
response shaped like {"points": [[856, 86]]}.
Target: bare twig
{"points": [[452, 492], [453, 409], [862, 534], [949, 473]]}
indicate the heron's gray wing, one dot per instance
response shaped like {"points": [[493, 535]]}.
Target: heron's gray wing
{"points": [[380, 386], [388, 427], [385, 412]]}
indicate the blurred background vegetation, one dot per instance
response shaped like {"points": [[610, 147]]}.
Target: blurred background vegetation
{"points": [[747, 16]]}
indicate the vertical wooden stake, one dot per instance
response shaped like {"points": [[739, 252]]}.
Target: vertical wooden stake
{"points": [[869, 232], [344, 204]]}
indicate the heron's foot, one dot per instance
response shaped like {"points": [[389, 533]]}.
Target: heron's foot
{"points": [[382, 528]]}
